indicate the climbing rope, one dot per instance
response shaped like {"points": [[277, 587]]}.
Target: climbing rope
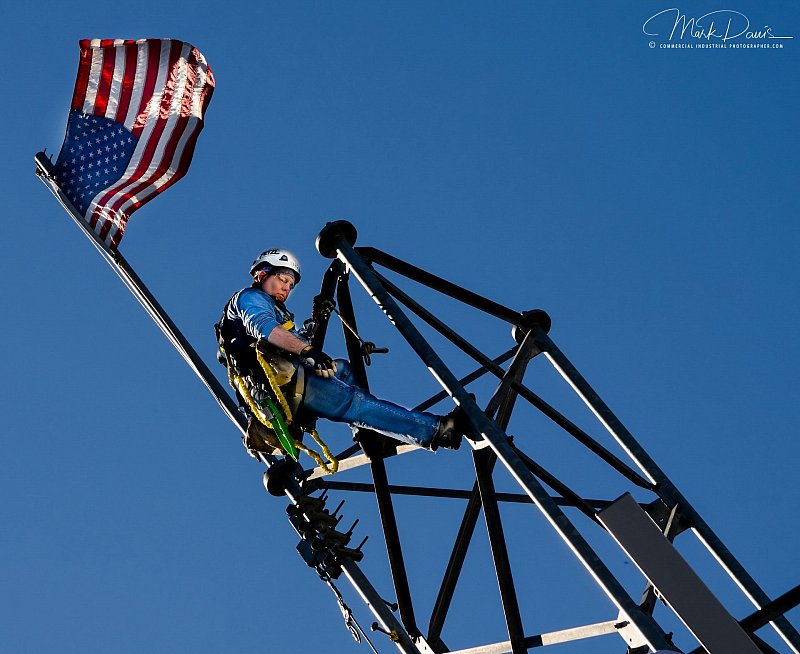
{"points": [[273, 383], [280, 437], [332, 460]]}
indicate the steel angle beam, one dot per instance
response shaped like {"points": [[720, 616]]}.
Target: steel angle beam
{"points": [[357, 461], [373, 448], [774, 609], [494, 368], [502, 403], [550, 638]]}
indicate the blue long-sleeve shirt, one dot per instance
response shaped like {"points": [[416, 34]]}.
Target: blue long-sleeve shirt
{"points": [[259, 313], [251, 315]]}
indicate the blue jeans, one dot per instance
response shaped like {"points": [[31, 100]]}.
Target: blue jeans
{"points": [[337, 399]]}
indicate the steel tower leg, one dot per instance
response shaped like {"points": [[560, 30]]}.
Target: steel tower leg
{"points": [[373, 447]]}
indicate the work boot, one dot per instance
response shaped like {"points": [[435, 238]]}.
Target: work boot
{"points": [[452, 428], [446, 436]]}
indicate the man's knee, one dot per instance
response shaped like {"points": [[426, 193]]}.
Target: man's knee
{"points": [[344, 371], [328, 398]]}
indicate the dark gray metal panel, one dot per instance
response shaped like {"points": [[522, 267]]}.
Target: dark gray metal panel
{"points": [[676, 582]]}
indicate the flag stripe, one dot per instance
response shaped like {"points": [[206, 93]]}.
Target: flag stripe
{"points": [[94, 81], [84, 66], [104, 83], [115, 92], [154, 79], [203, 88], [126, 84], [181, 155], [151, 78], [159, 180], [172, 128], [139, 76], [148, 186]]}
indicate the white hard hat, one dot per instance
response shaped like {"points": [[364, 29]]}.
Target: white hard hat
{"points": [[269, 260]]}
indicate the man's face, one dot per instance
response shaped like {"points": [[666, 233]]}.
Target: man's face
{"points": [[279, 285]]}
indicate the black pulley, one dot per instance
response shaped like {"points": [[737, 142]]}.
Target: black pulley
{"points": [[278, 475]]}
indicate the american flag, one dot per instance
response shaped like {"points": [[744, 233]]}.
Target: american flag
{"points": [[136, 114]]}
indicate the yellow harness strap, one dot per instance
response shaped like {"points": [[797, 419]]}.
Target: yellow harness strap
{"points": [[237, 382]]}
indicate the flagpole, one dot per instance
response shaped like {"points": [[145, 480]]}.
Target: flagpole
{"points": [[44, 170]]}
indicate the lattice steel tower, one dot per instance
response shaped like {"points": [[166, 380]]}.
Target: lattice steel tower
{"points": [[644, 515]]}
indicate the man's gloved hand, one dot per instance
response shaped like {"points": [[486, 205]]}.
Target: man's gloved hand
{"points": [[322, 364]]}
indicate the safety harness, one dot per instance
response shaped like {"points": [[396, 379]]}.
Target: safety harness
{"points": [[272, 409]]}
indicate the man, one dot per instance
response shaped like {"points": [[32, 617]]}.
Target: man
{"points": [[317, 385]]}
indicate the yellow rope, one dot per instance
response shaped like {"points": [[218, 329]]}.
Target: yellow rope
{"points": [[273, 382], [239, 384], [236, 381], [334, 463]]}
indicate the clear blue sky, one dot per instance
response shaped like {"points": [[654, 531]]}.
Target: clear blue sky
{"points": [[539, 153]]}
